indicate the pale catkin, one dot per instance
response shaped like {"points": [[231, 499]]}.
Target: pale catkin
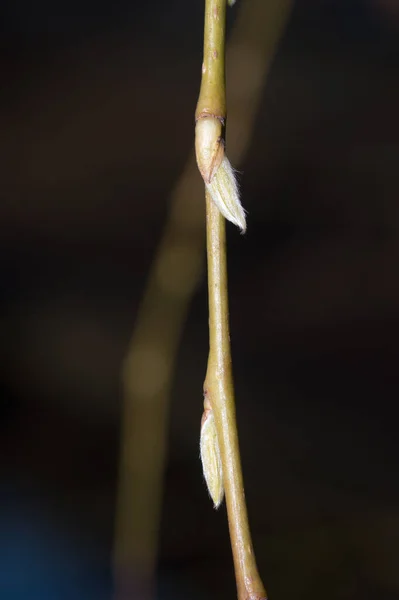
{"points": [[224, 192], [211, 459]]}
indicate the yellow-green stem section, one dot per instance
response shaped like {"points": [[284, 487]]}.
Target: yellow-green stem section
{"points": [[219, 392], [218, 387], [212, 98]]}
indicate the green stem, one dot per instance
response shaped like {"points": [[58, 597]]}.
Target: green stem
{"points": [[212, 98], [219, 393], [218, 386]]}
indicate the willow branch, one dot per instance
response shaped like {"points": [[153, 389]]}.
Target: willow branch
{"points": [[219, 438], [173, 277], [219, 395]]}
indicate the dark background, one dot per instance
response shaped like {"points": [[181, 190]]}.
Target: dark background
{"points": [[91, 95]]}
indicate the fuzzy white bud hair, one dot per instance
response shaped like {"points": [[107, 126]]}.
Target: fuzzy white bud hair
{"points": [[224, 192], [211, 459]]}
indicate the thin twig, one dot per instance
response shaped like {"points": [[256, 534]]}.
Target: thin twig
{"points": [[163, 311], [221, 470], [219, 393]]}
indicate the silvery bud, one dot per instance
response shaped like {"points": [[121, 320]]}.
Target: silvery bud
{"points": [[224, 192], [216, 170], [211, 458]]}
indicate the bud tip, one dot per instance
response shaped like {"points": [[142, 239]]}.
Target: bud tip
{"points": [[224, 192]]}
